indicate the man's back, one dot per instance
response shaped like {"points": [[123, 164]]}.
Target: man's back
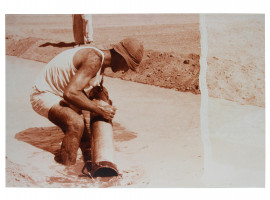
{"points": [[58, 72]]}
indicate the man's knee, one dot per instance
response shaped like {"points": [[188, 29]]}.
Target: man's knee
{"points": [[66, 119], [75, 124]]}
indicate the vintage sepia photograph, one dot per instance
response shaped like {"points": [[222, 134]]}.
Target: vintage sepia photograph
{"points": [[135, 100]]}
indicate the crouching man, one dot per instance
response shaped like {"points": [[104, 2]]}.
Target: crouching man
{"points": [[60, 91]]}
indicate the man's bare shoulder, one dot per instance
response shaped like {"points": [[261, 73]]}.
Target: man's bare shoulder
{"points": [[87, 56]]}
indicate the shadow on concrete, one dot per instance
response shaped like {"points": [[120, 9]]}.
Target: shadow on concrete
{"points": [[50, 138]]}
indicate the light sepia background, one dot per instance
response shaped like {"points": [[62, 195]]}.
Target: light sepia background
{"points": [[230, 106]]}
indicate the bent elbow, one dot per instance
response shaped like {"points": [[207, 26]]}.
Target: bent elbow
{"points": [[67, 95]]}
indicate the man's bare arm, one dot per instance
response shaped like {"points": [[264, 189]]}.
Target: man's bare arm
{"points": [[74, 90]]}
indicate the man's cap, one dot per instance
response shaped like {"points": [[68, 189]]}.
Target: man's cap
{"points": [[131, 50]]}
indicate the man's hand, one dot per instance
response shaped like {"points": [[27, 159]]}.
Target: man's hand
{"points": [[107, 111]]}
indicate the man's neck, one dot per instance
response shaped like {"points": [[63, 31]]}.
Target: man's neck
{"points": [[107, 58]]}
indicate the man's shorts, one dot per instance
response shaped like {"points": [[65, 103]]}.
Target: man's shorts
{"points": [[43, 101]]}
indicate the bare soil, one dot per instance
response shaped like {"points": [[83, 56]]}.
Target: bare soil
{"points": [[171, 57], [172, 47]]}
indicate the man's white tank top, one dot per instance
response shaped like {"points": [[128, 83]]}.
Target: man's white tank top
{"points": [[58, 72]]}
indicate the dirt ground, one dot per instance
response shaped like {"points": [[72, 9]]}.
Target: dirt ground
{"points": [[236, 58], [172, 44]]}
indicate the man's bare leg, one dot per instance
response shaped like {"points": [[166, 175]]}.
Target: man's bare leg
{"points": [[72, 125], [85, 144]]}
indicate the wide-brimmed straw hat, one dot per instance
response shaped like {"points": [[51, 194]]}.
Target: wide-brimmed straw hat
{"points": [[132, 51]]}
